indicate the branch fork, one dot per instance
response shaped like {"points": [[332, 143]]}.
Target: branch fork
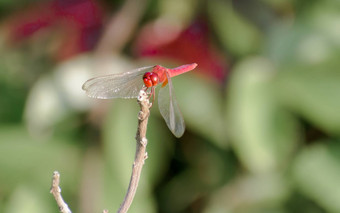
{"points": [[140, 157]]}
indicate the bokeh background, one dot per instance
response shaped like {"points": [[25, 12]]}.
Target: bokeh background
{"points": [[262, 109]]}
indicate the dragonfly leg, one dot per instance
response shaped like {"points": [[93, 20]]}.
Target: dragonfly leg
{"points": [[146, 91], [153, 95]]}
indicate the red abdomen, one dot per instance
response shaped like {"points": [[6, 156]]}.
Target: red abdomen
{"points": [[182, 69]]}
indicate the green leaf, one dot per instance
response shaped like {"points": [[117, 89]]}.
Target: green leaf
{"points": [[263, 133], [28, 199], [250, 193], [201, 101], [314, 93], [25, 160], [316, 171], [237, 35]]}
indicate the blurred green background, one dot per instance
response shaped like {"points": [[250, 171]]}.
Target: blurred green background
{"points": [[262, 110]]}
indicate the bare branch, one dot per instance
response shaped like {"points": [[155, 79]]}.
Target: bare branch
{"points": [[141, 154], [140, 157], [56, 191]]}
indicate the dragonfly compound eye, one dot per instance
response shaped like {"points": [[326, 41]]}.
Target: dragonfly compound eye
{"points": [[154, 78], [150, 79], [147, 80]]}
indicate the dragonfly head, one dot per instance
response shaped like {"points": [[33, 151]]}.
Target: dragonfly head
{"points": [[150, 79]]}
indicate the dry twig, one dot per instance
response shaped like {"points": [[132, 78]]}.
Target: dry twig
{"points": [[141, 154], [140, 157], [56, 191]]}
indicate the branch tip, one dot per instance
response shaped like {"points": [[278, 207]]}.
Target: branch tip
{"points": [[142, 96], [56, 192]]}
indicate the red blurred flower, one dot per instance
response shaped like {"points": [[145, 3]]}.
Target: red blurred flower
{"points": [[78, 21], [188, 46]]}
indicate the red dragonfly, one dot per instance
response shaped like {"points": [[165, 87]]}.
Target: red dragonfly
{"points": [[128, 85]]}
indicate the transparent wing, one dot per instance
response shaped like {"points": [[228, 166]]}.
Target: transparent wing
{"points": [[169, 109], [122, 85]]}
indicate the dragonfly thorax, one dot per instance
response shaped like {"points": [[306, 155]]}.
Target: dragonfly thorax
{"points": [[150, 79]]}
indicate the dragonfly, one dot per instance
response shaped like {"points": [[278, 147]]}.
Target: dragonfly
{"points": [[128, 84]]}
